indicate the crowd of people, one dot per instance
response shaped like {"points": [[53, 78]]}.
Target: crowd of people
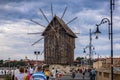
{"points": [[32, 73], [41, 73], [26, 73], [92, 73]]}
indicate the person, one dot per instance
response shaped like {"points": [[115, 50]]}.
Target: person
{"points": [[47, 73], [2, 71], [73, 73], [28, 76], [16, 72], [92, 74], [53, 73], [39, 75], [83, 72], [5, 71], [31, 70], [20, 75], [25, 75]]}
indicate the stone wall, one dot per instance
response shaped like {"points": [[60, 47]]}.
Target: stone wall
{"points": [[106, 75]]}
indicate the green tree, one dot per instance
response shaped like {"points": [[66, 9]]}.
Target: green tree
{"points": [[79, 58], [1, 63]]}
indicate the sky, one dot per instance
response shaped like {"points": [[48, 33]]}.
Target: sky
{"points": [[15, 16]]}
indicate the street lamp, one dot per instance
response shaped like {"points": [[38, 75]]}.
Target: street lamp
{"points": [[110, 34], [91, 48], [110, 24], [36, 53]]}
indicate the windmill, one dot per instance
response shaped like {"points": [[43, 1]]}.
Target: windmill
{"points": [[59, 40]]}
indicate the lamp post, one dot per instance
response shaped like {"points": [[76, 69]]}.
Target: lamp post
{"points": [[110, 34], [112, 4], [91, 48], [36, 53]]}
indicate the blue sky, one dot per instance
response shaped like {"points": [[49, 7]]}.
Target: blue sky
{"points": [[15, 23]]}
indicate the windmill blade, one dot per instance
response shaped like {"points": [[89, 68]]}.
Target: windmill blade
{"points": [[37, 41], [35, 33], [72, 20], [44, 15], [64, 12], [48, 22], [42, 52], [52, 10], [37, 23]]}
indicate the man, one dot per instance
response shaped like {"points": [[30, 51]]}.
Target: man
{"points": [[73, 73], [39, 75], [83, 72], [92, 74], [16, 72], [31, 70], [53, 72]]}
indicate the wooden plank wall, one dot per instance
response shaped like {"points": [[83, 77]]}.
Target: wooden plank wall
{"points": [[58, 50]]}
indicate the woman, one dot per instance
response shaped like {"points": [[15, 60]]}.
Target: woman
{"points": [[21, 75], [47, 73]]}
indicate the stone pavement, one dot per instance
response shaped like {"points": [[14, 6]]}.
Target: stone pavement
{"points": [[1, 78], [78, 76]]}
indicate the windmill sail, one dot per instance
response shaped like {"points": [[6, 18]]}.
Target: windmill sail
{"points": [[37, 23], [37, 41]]}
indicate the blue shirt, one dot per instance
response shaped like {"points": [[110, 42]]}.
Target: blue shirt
{"points": [[39, 76]]}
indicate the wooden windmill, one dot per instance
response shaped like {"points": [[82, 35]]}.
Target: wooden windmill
{"points": [[59, 40]]}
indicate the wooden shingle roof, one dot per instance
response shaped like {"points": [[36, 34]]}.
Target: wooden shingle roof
{"points": [[65, 27]]}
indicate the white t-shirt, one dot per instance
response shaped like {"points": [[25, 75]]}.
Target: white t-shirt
{"points": [[53, 73], [31, 70], [16, 72]]}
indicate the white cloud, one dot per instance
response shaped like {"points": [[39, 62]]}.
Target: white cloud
{"points": [[117, 46], [13, 33], [15, 40]]}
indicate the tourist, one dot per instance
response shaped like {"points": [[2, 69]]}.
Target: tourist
{"points": [[53, 73], [73, 73], [16, 72], [2, 72], [5, 71], [83, 72], [92, 74], [31, 70], [39, 75], [47, 73], [20, 75], [25, 77], [28, 76]]}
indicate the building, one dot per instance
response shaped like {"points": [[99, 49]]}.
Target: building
{"points": [[97, 64], [106, 63], [59, 42]]}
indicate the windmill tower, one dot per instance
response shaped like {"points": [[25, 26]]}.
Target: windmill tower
{"points": [[59, 41]]}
